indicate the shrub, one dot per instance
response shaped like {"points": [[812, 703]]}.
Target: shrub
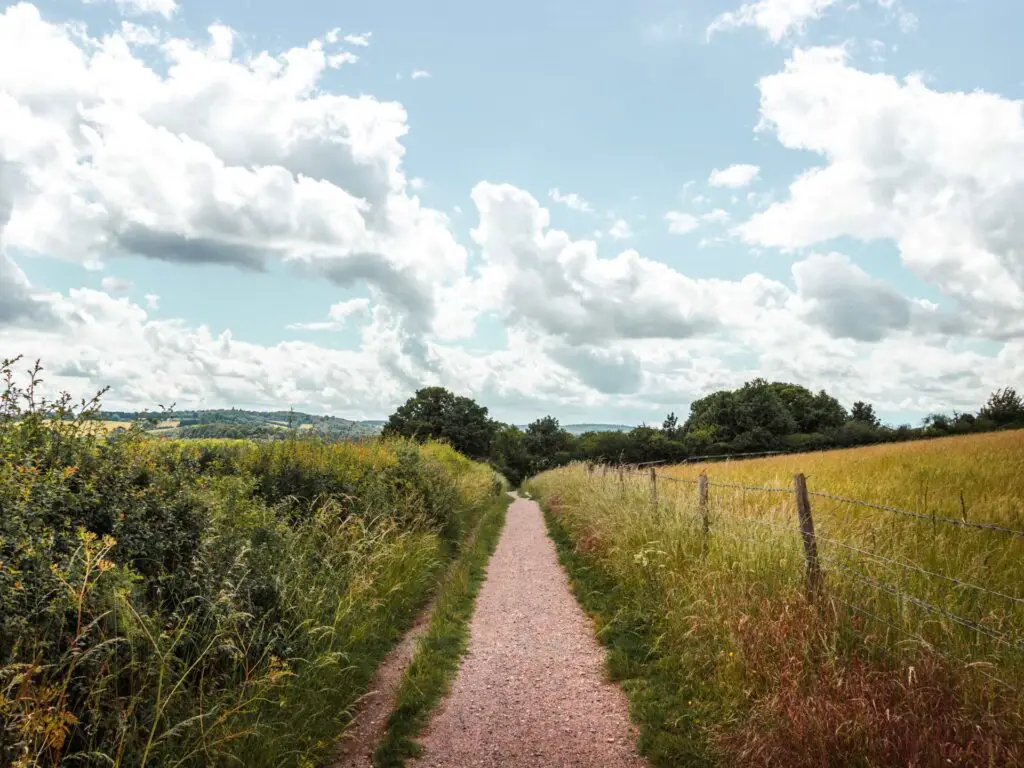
{"points": [[205, 603]]}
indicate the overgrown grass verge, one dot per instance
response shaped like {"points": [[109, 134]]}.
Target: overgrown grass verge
{"points": [[661, 708], [439, 652], [725, 660], [212, 603]]}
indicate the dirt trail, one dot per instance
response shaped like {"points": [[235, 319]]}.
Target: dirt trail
{"points": [[371, 715], [532, 689]]}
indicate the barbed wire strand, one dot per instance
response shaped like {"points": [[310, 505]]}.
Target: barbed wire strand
{"points": [[911, 567], [918, 515], [931, 646], [924, 604], [740, 487], [872, 555]]}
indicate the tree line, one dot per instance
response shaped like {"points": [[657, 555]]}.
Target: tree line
{"points": [[759, 416]]}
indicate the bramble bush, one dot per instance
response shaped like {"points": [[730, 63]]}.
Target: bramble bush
{"points": [[208, 602]]}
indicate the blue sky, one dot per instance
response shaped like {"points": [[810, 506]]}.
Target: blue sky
{"points": [[519, 202]]}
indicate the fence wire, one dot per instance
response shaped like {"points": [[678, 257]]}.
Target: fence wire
{"points": [[1011, 641], [923, 604], [919, 515]]}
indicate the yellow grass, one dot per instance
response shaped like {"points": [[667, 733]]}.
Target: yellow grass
{"points": [[923, 476], [901, 595]]}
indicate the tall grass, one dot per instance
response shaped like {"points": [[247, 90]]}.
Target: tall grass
{"points": [[217, 603], [727, 660]]}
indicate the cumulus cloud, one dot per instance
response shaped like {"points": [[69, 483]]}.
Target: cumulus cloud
{"points": [[362, 39], [778, 18], [570, 200], [338, 60], [717, 216], [116, 285], [211, 157], [19, 304], [419, 74], [733, 177], [608, 371], [165, 8], [135, 34], [680, 223], [337, 316], [561, 287], [620, 230], [204, 153], [847, 302], [940, 173]]}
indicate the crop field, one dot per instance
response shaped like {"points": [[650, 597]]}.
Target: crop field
{"points": [[910, 645]]}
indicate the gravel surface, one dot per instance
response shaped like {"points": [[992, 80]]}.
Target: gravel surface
{"points": [[532, 689], [371, 716]]}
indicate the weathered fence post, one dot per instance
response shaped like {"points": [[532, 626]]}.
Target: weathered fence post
{"points": [[803, 509], [702, 498], [654, 487], [622, 482]]}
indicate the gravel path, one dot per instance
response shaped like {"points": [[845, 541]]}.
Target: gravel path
{"points": [[532, 689], [371, 715]]}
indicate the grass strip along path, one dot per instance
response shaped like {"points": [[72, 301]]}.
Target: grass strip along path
{"points": [[532, 689], [439, 652]]}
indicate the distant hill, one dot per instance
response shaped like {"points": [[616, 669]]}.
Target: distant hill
{"points": [[239, 423], [579, 429]]}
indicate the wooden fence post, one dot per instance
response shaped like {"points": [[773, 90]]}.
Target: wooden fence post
{"points": [[803, 509], [702, 497], [622, 482], [654, 487]]}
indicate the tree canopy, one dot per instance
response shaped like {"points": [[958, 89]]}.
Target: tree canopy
{"points": [[759, 416], [434, 413]]}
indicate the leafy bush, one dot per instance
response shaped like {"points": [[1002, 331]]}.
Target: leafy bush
{"points": [[208, 602]]}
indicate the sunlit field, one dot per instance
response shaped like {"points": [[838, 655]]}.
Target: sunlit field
{"points": [[909, 652]]}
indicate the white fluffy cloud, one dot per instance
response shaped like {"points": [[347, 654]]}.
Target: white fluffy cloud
{"points": [[680, 223], [733, 177], [570, 200], [941, 174], [620, 230], [218, 158], [165, 8], [202, 152], [778, 18], [337, 316], [116, 285]]}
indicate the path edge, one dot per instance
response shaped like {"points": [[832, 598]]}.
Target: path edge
{"points": [[430, 674], [630, 655]]}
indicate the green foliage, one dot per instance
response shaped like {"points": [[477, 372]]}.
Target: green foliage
{"points": [[1004, 408], [204, 602], [760, 416], [864, 413], [509, 454], [547, 444], [434, 413]]}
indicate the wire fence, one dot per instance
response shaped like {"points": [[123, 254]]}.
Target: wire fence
{"points": [[968, 623]]}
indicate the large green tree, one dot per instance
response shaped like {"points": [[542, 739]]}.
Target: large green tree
{"points": [[548, 444], [509, 455], [434, 413], [864, 413], [1004, 407]]}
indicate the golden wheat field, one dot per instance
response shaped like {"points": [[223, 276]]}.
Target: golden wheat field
{"points": [[912, 644]]}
